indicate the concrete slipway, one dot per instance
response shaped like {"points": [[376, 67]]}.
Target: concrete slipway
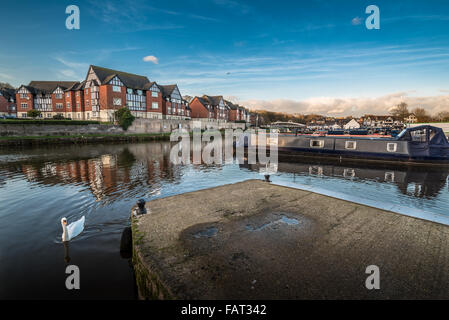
{"points": [[256, 240]]}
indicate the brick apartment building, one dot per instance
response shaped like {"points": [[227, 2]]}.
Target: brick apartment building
{"points": [[210, 107], [103, 92], [173, 105], [8, 102], [45, 96]]}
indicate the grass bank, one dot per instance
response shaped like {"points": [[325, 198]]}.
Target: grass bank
{"points": [[81, 138]]}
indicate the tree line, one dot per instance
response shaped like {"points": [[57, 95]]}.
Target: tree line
{"points": [[401, 111]]}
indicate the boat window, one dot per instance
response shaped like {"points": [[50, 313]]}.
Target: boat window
{"points": [[317, 143], [392, 147], [419, 135], [351, 145]]}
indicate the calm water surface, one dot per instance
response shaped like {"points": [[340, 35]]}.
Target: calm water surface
{"points": [[39, 186]]}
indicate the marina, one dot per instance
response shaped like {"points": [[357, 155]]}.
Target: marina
{"points": [[103, 181]]}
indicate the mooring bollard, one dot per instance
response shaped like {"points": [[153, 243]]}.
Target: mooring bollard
{"points": [[267, 178], [141, 207]]}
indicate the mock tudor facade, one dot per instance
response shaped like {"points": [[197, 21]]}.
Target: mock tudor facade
{"points": [[104, 91], [44, 96]]}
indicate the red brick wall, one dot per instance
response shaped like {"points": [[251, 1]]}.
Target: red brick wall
{"points": [[150, 99], [29, 102], [107, 95], [86, 99], [198, 110], [4, 104], [70, 101], [165, 105], [233, 115], [54, 101], [79, 100]]}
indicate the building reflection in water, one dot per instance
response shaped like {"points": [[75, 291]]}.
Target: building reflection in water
{"points": [[415, 181], [114, 172], [109, 176]]}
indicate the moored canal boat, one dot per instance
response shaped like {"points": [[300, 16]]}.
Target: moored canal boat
{"points": [[420, 145]]}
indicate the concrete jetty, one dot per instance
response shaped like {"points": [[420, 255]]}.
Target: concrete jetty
{"points": [[256, 240]]}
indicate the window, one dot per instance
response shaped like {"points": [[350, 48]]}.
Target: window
{"points": [[77, 93], [58, 96], [24, 105], [155, 105], [117, 102], [68, 105], [130, 91], [23, 96], [392, 147], [59, 106], [139, 92], [86, 91], [24, 115], [419, 135], [87, 103], [116, 89], [67, 94], [316, 143], [154, 94], [351, 145]]}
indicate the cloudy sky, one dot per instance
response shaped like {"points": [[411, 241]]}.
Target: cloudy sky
{"points": [[295, 56]]}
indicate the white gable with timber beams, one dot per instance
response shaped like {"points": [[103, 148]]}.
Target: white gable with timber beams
{"points": [[91, 77], [155, 88], [176, 95]]}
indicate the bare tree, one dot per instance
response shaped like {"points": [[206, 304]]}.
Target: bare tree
{"points": [[443, 116], [400, 111], [6, 85], [422, 115]]}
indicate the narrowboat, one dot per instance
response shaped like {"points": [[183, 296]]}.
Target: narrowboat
{"points": [[419, 145]]}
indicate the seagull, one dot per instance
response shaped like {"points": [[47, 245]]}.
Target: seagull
{"points": [[72, 230]]}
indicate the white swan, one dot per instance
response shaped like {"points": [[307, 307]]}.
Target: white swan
{"points": [[72, 230]]}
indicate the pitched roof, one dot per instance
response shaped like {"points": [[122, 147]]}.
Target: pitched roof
{"points": [[167, 90], [46, 87], [8, 93], [231, 105], [77, 86], [202, 101], [213, 100], [149, 85], [130, 80]]}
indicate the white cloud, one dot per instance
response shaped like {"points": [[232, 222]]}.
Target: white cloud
{"points": [[356, 21], [351, 106], [151, 59], [6, 76]]}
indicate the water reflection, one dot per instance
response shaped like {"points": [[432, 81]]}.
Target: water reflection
{"points": [[40, 185], [414, 181]]}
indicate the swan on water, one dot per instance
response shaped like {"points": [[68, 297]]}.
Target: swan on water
{"points": [[72, 230]]}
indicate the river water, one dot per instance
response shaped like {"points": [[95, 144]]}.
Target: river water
{"points": [[39, 186]]}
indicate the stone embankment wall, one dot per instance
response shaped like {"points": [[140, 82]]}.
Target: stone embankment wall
{"points": [[138, 126], [57, 130], [157, 125]]}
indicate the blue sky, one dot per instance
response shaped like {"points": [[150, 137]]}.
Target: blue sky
{"points": [[295, 56]]}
